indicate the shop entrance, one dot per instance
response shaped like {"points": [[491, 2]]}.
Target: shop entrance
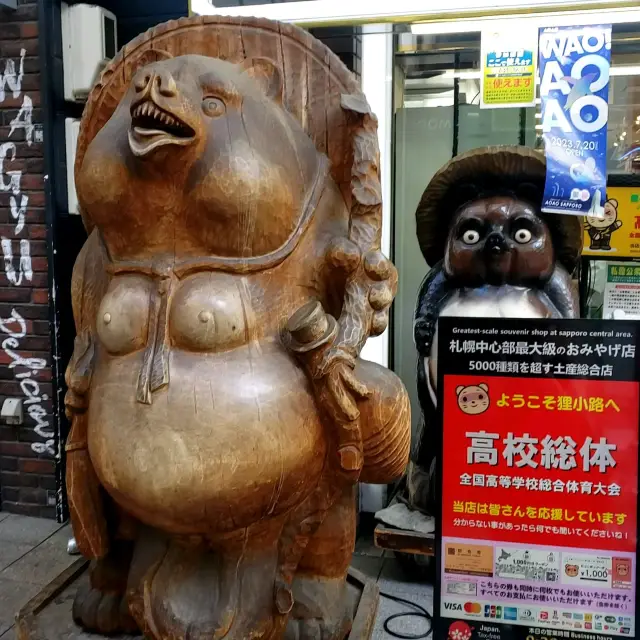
{"points": [[437, 115]]}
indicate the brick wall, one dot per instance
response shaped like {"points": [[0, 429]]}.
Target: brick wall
{"points": [[27, 452]]}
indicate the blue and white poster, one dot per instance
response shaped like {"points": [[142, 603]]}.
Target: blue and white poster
{"points": [[574, 93]]}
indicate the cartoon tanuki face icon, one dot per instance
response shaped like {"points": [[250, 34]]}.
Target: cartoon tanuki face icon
{"points": [[473, 399], [609, 218], [622, 569], [571, 570]]}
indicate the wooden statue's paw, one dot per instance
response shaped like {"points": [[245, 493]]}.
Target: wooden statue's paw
{"points": [[316, 629], [106, 613]]}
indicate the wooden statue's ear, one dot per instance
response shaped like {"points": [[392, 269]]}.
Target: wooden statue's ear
{"points": [[149, 57], [267, 75]]}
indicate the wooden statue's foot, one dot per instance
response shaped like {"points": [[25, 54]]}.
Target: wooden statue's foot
{"points": [[102, 612], [323, 610], [315, 629]]}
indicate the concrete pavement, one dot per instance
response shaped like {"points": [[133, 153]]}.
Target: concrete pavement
{"points": [[34, 551]]}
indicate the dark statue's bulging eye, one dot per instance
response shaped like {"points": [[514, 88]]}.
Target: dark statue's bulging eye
{"points": [[213, 107], [522, 236], [471, 237]]}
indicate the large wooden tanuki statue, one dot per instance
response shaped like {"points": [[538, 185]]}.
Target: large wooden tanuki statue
{"points": [[228, 176], [492, 254]]}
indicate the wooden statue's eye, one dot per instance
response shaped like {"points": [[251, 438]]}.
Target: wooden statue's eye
{"points": [[213, 107], [471, 237], [522, 236]]}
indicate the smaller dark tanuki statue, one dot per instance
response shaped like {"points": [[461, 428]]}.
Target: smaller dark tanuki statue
{"points": [[493, 254], [227, 172]]}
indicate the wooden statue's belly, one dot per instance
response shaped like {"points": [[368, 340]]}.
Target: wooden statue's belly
{"points": [[235, 437]]}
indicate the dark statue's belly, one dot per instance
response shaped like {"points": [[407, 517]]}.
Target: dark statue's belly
{"points": [[491, 302], [233, 405]]}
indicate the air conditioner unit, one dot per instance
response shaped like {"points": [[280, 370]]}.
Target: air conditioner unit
{"points": [[89, 41], [71, 131]]}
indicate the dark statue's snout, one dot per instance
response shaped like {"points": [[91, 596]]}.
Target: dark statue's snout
{"points": [[495, 244], [156, 81]]}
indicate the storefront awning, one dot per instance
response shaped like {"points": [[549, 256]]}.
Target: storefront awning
{"points": [[316, 13]]}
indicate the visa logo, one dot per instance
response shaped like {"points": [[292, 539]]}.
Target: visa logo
{"points": [[452, 606]]}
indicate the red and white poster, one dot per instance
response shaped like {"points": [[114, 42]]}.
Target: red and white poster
{"points": [[539, 481]]}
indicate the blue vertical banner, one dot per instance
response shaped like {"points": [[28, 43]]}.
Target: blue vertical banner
{"points": [[574, 93]]}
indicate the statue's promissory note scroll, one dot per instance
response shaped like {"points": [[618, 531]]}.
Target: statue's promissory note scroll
{"points": [[221, 414]]}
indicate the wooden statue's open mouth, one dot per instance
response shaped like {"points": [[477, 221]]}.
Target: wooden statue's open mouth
{"points": [[152, 127]]}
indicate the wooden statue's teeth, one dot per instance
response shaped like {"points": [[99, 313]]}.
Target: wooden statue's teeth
{"points": [[150, 110]]}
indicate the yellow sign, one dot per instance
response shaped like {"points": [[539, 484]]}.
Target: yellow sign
{"points": [[509, 62], [617, 235]]}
